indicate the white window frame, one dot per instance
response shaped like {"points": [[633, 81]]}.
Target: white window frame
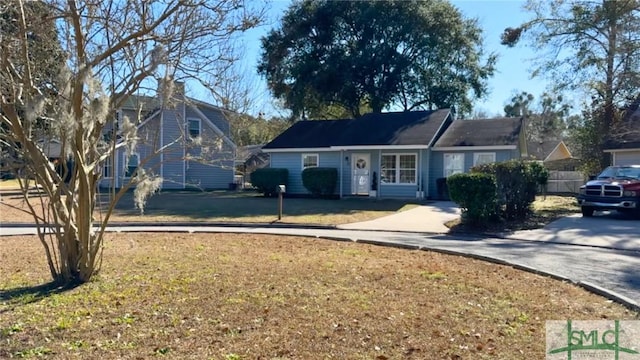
{"points": [[126, 163], [317, 156], [398, 169], [477, 155], [445, 169], [108, 164], [189, 121]]}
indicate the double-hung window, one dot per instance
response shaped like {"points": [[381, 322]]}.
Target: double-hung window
{"points": [[484, 158], [107, 168], [453, 164], [131, 165], [194, 128], [398, 168], [310, 160]]}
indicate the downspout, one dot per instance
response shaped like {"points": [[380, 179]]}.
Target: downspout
{"points": [[426, 187], [184, 130], [420, 178], [341, 166], [379, 174], [116, 172], [161, 146]]}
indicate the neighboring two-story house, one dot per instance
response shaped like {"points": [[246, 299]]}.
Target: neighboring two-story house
{"points": [[185, 141]]}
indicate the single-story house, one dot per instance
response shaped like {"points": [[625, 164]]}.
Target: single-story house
{"points": [[394, 154], [186, 142], [248, 159], [554, 154]]}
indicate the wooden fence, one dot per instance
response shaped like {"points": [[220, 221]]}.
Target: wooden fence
{"points": [[564, 181]]}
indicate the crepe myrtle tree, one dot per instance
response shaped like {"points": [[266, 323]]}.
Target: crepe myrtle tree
{"points": [[109, 51]]}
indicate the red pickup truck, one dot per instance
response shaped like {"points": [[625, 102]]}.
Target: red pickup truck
{"points": [[616, 188]]}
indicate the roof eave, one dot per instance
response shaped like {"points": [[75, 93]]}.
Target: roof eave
{"points": [[479, 148]]}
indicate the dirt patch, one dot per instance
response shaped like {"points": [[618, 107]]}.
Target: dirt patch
{"points": [[229, 296]]}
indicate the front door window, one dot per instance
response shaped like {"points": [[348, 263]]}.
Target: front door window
{"points": [[361, 174]]}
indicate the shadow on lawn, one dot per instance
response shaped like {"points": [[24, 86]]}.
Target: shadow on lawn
{"points": [[226, 204], [24, 295]]}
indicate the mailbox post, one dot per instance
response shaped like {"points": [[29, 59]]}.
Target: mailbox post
{"points": [[281, 190]]}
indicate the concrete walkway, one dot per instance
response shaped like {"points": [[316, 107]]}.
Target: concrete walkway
{"points": [[429, 218]]}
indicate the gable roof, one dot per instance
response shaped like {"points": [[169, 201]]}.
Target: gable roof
{"points": [[548, 150], [414, 128], [482, 132]]}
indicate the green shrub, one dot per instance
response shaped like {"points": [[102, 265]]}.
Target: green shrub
{"points": [[266, 180], [517, 184], [320, 181], [475, 193]]}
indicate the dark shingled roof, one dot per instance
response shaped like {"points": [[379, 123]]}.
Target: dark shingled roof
{"points": [[392, 128], [482, 132]]}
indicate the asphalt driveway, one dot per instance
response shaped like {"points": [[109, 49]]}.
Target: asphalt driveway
{"points": [[605, 229]]}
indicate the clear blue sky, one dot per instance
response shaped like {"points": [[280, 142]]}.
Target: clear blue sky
{"points": [[513, 67]]}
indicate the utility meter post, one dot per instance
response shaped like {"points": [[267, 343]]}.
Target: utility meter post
{"points": [[281, 190]]}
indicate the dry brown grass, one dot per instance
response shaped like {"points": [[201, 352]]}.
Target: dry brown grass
{"points": [[222, 296], [222, 206]]}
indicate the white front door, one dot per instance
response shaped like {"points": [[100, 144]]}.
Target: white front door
{"points": [[361, 166]]}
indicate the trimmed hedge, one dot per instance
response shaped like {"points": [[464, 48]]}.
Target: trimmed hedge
{"points": [[475, 193], [320, 181], [266, 180], [517, 184]]}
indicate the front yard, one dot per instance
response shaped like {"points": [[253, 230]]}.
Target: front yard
{"points": [[244, 296], [228, 206]]}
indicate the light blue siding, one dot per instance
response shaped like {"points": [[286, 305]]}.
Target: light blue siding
{"points": [[293, 162], [397, 191], [436, 168], [173, 156], [342, 161], [213, 168], [166, 130]]}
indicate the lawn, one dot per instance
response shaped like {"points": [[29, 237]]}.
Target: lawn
{"points": [[232, 296], [233, 207]]}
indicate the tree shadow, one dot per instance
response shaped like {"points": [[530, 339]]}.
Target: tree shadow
{"points": [[25, 295]]}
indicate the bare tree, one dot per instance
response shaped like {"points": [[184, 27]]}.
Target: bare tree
{"points": [[112, 50]]}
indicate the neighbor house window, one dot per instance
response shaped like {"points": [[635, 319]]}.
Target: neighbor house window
{"points": [[107, 169], [453, 164], [131, 165], [484, 158], [398, 168], [194, 128], [309, 160]]}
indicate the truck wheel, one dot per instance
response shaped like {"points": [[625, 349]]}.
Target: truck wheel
{"points": [[587, 211]]}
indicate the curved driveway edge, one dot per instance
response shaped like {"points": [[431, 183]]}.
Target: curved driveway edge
{"points": [[610, 273]]}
